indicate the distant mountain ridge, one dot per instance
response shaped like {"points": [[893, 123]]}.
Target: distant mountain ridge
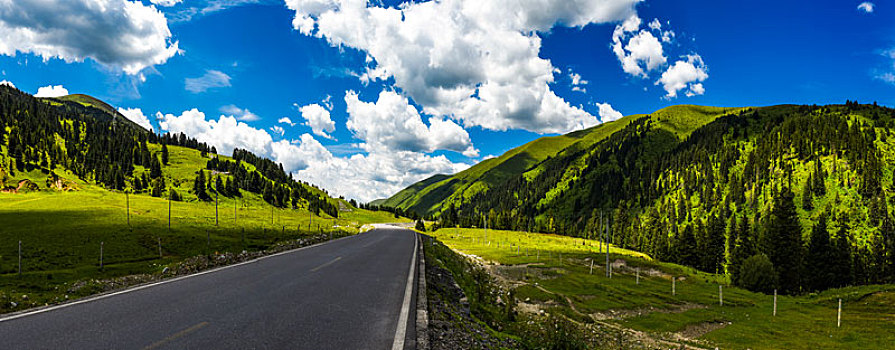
{"points": [[432, 195]]}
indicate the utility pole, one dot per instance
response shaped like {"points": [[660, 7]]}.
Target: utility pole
{"points": [[606, 243], [169, 211], [216, 194]]}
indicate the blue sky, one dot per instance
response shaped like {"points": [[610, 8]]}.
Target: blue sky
{"points": [[383, 94]]}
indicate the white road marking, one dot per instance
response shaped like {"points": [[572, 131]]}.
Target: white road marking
{"points": [[401, 331], [134, 289], [326, 264]]}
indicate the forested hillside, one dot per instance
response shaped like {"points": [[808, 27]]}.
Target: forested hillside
{"points": [[79, 136], [788, 197]]}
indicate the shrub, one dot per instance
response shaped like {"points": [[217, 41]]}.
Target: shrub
{"points": [[758, 274]]}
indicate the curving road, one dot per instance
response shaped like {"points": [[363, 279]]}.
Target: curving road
{"points": [[343, 294]]}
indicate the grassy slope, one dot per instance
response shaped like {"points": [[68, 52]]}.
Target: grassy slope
{"points": [[428, 196], [567, 287], [61, 231], [90, 101]]}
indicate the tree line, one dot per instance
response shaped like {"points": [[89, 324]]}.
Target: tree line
{"points": [[799, 193]]}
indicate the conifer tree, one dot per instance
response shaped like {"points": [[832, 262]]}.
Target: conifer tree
{"points": [[165, 154], [783, 242], [818, 272]]}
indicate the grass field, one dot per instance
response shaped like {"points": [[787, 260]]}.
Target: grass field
{"points": [[552, 274], [61, 233]]}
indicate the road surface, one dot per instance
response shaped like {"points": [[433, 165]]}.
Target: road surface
{"points": [[344, 294]]}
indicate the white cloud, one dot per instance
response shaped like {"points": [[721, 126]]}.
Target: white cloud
{"points": [[375, 175], [685, 75], [887, 75], [361, 176], [136, 115], [317, 117], [226, 133], [286, 120], [607, 113], [278, 130], [51, 91], [241, 114], [576, 79], [866, 7], [121, 34], [391, 124], [211, 79], [655, 24], [166, 3], [642, 53], [8, 83], [469, 60], [207, 7]]}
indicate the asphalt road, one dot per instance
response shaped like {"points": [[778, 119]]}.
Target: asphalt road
{"points": [[344, 294]]}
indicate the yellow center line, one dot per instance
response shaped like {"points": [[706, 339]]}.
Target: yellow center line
{"points": [[176, 336], [326, 264]]}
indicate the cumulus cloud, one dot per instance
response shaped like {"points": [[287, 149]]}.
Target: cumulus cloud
{"points": [[242, 114], [51, 91], [607, 113], [392, 124], [286, 120], [887, 75], [577, 82], [469, 60], [687, 75], [226, 133], [136, 115], [278, 130], [8, 83], [166, 3], [866, 7], [211, 79], [371, 176], [639, 51], [317, 117], [121, 34], [361, 176]]}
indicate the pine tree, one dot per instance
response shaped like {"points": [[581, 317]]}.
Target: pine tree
{"points": [[818, 271], [842, 262], [685, 247], [743, 248], [165, 154], [199, 187], [714, 245], [783, 241], [807, 199], [155, 169]]}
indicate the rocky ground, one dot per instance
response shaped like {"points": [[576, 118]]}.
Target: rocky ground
{"points": [[451, 325]]}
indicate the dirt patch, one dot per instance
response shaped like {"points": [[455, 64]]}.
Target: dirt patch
{"points": [[694, 331], [621, 314]]}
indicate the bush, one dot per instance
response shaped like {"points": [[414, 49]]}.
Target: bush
{"points": [[758, 275], [420, 226]]}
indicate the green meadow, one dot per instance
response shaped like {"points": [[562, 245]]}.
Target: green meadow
{"points": [[62, 232], [552, 274]]}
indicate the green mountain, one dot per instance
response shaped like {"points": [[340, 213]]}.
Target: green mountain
{"points": [[81, 139], [434, 194], [106, 112], [702, 186]]}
